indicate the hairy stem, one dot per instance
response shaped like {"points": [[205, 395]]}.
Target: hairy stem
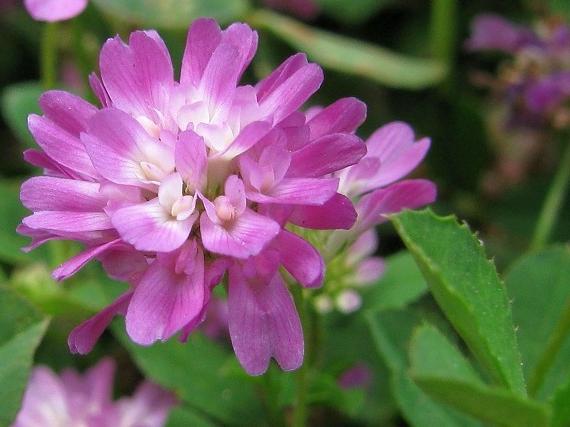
{"points": [[553, 202]]}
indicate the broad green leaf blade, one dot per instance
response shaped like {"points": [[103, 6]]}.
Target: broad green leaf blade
{"points": [[467, 288], [184, 417], [539, 285], [19, 101], [21, 330], [172, 14], [391, 331], [442, 371], [561, 406], [401, 284], [352, 56], [202, 374]]}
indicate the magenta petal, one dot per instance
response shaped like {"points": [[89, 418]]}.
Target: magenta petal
{"points": [[263, 322], [138, 76], [83, 338], [247, 236], [99, 90], [410, 194], [203, 38], [165, 301], [493, 32], [149, 227], [300, 259], [369, 271], [60, 145], [247, 138], [191, 159], [54, 10], [66, 110], [67, 221], [337, 213], [44, 193], [343, 116], [328, 154], [73, 265], [299, 191], [287, 68]]}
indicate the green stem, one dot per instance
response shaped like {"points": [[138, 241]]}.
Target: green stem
{"points": [[443, 31], [49, 56], [553, 203], [301, 376], [547, 358]]}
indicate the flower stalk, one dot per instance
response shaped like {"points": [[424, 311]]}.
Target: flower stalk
{"points": [[300, 414], [553, 203], [49, 56]]}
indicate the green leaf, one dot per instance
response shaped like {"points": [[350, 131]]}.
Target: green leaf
{"points": [[203, 375], [352, 56], [353, 12], [11, 213], [184, 417], [21, 330], [561, 7], [19, 101], [401, 284], [539, 285], [172, 14], [467, 288], [391, 331], [443, 372], [561, 406]]}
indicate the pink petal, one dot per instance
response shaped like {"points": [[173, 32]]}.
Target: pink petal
{"points": [[117, 144], [343, 116], [68, 221], [300, 259], [191, 159], [247, 138], [45, 193], [245, 39], [247, 236], [369, 271], [41, 160], [83, 338], [165, 300], [287, 68], [99, 90], [73, 265], [60, 145], [203, 38], [54, 10], [149, 227], [298, 191], [410, 194], [263, 322], [123, 263], [336, 213], [365, 245], [326, 155], [149, 407], [138, 76], [66, 110]]}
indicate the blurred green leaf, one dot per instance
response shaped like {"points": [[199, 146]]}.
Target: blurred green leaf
{"points": [[352, 56], [539, 285], [561, 7], [443, 372], [391, 332], [172, 14], [202, 374], [561, 406], [185, 417], [11, 213], [352, 12], [19, 101], [401, 284], [21, 330], [467, 288]]}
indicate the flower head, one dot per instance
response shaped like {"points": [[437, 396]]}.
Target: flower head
{"points": [[173, 183], [54, 10], [72, 399]]}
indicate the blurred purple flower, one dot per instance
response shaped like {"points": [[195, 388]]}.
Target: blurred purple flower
{"points": [[71, 399], [54, 10], [358, 376], [172, 184], [493, 32]]}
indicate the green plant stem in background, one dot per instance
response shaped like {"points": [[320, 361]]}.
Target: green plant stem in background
{"points": [[443, 30], [553, 203], [552, 349], [49, 56], [301, 376]]}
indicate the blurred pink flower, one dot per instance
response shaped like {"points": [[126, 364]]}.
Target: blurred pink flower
{"points": [[172, 184], [358, 376], [54, 10], [72, 400]]}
